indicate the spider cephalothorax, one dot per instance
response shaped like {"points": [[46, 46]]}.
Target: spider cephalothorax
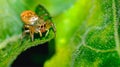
{"points": [[35, 24]]}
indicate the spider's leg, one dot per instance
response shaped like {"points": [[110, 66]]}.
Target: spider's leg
{"points": [[32, 36], [47, 33], [54, 28], [32, 32], [40, 33], [24, 33]]}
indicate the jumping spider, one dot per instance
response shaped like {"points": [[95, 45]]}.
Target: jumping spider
{"points": [[35, 24]]}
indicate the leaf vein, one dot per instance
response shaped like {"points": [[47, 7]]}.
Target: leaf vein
{"points": [[116, 34]]}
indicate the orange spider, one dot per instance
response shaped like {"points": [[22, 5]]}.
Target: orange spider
{"points": [[34, 24]]}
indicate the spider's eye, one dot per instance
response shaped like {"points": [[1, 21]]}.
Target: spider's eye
{"points": [[38, 26], [42, 26]]}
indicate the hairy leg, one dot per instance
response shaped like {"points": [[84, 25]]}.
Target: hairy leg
{"points": [[47, 33], [24, 33], [54, 28], [32, 31], [40, 33]]}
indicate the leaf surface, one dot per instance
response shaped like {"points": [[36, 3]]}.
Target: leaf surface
{"points": [[91, 32]]}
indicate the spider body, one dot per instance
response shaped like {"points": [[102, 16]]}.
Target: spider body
{"points": [[35, 24]]}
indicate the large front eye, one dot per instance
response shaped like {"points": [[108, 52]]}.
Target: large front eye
{"points": [[42, 26]]}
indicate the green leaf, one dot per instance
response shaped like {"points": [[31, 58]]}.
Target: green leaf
{"points": [[91, 35], [11, 26], [100, 43], [11, 45], [41, 11]]}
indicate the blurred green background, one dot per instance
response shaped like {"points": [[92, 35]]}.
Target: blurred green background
{"points": [[87, 33]]}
